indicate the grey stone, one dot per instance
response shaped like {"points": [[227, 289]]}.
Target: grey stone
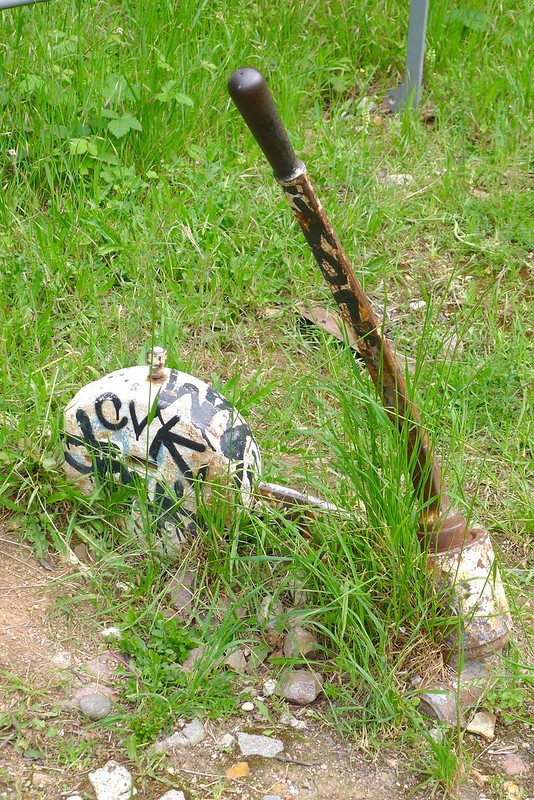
{"points": [[194, 655], [95, 705], [299, 686], [181, 588], [172, 742], [194, 731], [99, 667], [288, 719], [270, 611], [112, 782], [299, 642], [483, 724], [237, 661], [394, 180], [512, 764], [254, 745], [62, 659], [226, 740], [92, 688], [439, 703], [271, 797], [173, 795]]}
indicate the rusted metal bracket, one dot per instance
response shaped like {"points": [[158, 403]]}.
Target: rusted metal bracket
{"points": [[453, 546]]}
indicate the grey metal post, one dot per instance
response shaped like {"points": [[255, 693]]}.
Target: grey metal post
{"points": [[408, 92], [14, 3]]}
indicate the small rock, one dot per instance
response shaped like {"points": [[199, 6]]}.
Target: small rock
{"points": [[99, 667], [270, 611], [512, 764], [92, 688], [62, 659], [74, 797], [181, 587], [194, 655], [82, 553], [299, 686], [366, 104], [271, 797], [226, 741], [255, 745], [40, 780], [237, 661], [194, 731], [269, 687], [112, 633], [479, 776], [248, 706], [439, 703], [239, 770], [396, 179], [172, 795], [112, 782], [95, 706], [512, 790], [483, 724], [288, 719], [299, 642], [257, 655], [436, 734]]}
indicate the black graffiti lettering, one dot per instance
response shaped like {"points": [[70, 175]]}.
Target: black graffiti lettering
{"points": [[166, 509], [137, 426], [167, 438], [117, 403], [106, 455]]}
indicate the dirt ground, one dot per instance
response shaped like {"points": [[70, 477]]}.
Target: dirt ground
{"points": [[42, 661]]}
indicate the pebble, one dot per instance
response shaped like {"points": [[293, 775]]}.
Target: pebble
{"points": [[271, 797], [92, 688], [299, 686], [237, 662], [112, 782], [269, 687], [191, 734], [194, 731], [255, 745], [483, 724], [512, 764], [397, 179], [248, 706], [41, 780], [181, 588], [74, 797], [194, 655], [111, 633], [512, 790], [288, 719], [61, 659], [299, 642], [226, 740], [173, 795], [95, 706], [99, 667]]}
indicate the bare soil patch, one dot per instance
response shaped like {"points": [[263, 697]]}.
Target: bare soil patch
{"points": [[50, 749]]}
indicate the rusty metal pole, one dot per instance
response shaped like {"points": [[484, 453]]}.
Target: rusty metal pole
{"points": [[442, 530]]}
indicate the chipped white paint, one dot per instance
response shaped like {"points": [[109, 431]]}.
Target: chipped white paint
{"points": [[171, 439], [477, 594]]}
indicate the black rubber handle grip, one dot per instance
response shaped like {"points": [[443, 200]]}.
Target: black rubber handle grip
{"points": [[249, 91]]}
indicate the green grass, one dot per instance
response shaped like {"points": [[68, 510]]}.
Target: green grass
{"points": [[135, 208]]}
